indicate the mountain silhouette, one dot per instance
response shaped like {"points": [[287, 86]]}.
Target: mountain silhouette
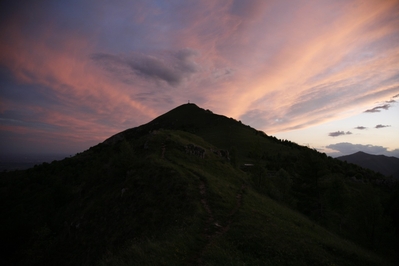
{"points": [[388, 166], [196, 188]]}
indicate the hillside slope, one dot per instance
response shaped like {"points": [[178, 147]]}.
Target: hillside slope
{"points": [[176, 192], [388, 166], [223, 132]]}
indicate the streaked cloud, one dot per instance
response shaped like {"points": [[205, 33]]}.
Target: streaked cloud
{"points": [[99, 68], [378, 108], [381, 126], [339, 133], [170, 67], [361, 127]]}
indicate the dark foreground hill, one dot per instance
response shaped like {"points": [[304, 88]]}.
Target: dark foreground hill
{"points": [[388, 166], [195, 188]]}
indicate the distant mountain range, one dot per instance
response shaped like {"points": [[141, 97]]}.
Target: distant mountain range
{"points": [[388, 166], [10, 162]]}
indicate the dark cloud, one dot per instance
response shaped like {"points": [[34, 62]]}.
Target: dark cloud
{"points": [[247, 8], [391, 101], [360, 127], [114, 64], [108, 61], [345, 148], [378, 108], [152, 67], [381, 126], [222, 73], [339, 133], [171, 67], [396, 96]]}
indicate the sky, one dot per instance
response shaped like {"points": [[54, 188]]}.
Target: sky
{"points": [[324, 73]]}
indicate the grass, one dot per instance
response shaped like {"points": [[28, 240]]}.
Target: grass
{"points": [[176, 209], [261, 232]]}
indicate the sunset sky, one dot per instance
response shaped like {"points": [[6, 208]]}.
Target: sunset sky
{"points": [[319, 73]]}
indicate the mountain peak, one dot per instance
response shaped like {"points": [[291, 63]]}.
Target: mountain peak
{"points": [[186, 117], [187, 181]]}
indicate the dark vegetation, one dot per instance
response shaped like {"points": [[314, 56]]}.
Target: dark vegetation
{"points": [[195, 188]]}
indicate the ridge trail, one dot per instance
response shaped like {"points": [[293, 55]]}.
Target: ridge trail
{"points": [[210, 233]]}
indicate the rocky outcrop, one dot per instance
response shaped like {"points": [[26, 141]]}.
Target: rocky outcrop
{"points": [[195, 150], [222, 153]]}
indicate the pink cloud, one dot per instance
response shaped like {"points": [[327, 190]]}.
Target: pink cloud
{"points": [[65, 70], [294, 66], [279, 64]]}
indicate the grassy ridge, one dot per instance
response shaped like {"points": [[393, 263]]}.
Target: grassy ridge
{"points": [[164, 194], [260, 232]]}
